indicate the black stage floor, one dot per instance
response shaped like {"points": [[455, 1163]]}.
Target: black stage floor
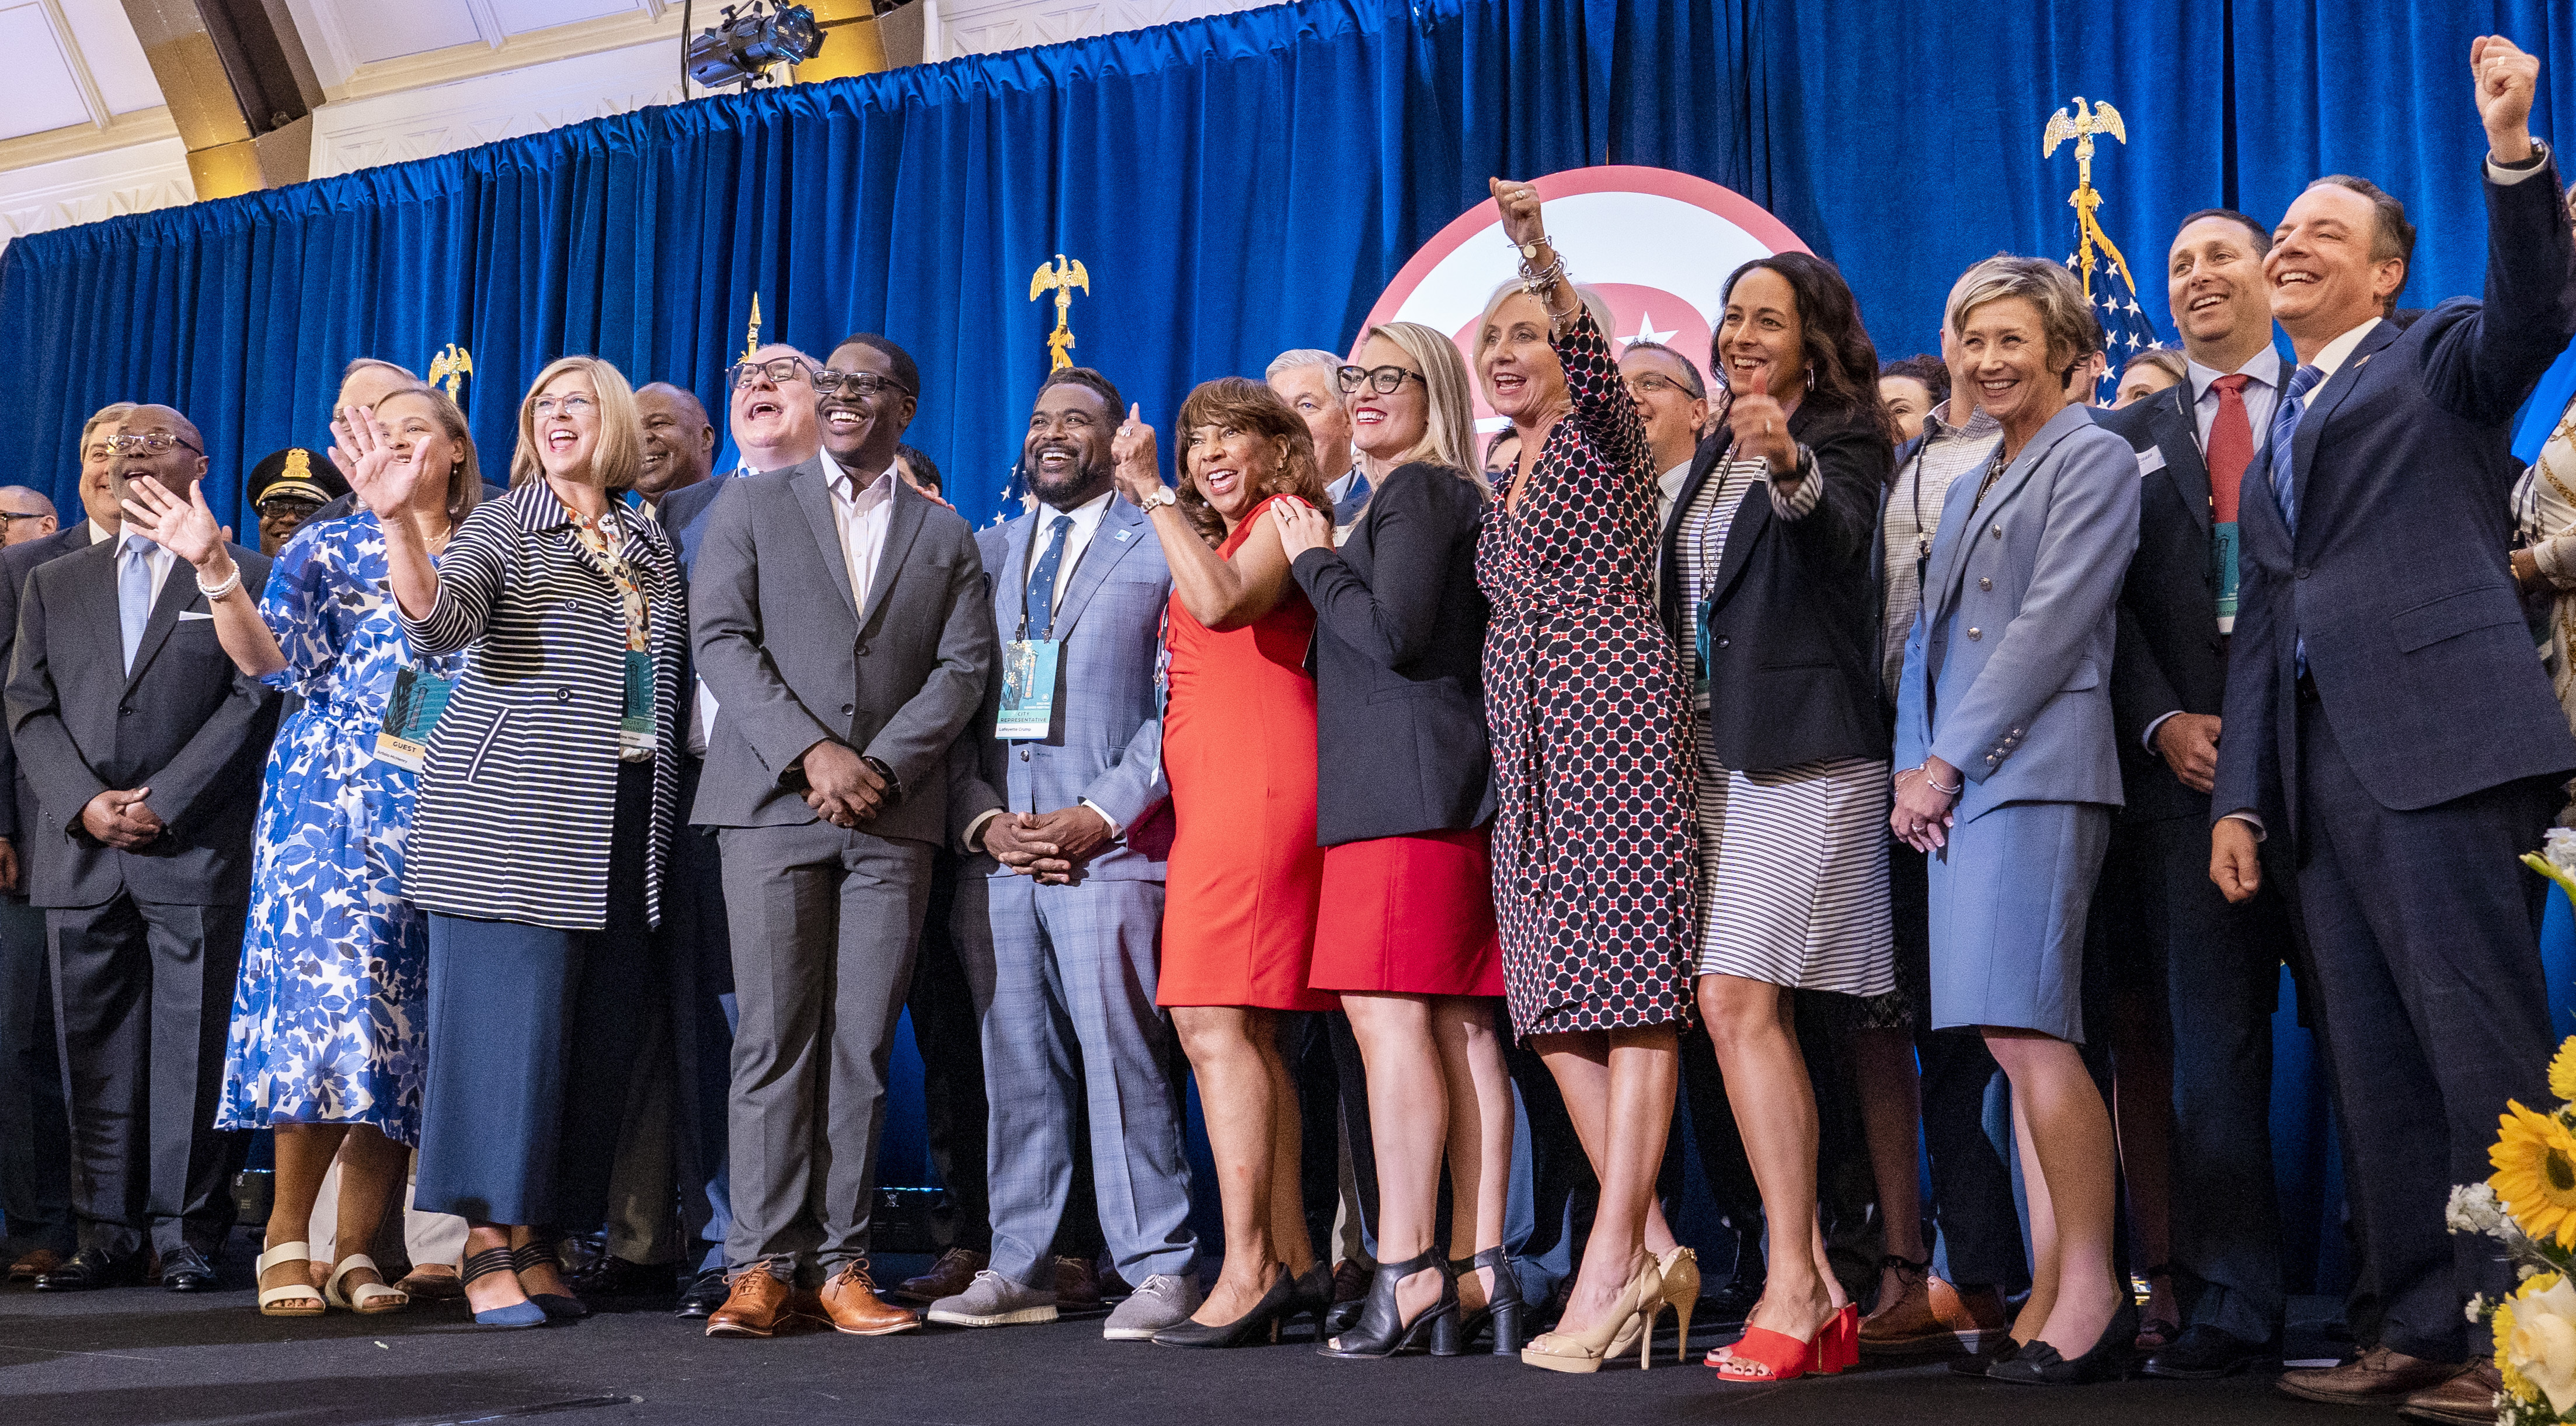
{"points": [[134, 1355]]}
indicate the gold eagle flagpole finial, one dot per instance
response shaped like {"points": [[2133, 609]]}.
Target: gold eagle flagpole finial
{"points": [[450, 368], [1060, 277], [2082, 125], [751, 334]]}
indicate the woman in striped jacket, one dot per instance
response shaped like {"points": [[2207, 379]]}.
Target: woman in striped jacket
{"points": [[544, 814]]}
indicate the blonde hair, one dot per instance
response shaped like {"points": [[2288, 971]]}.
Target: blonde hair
{"points": [[1593, 302], [111, 412], [1449, 423], [465, 480], [2065, 315], [619, 453]]}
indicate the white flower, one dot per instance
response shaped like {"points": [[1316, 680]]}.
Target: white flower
{"points": [[2543, 1345], [2559, 846], [2477, 1308], [2526, 1272], [2474, 1207]]}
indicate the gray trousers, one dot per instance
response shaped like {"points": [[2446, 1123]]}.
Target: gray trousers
{"points": [[1063, 980], [823, 925]]}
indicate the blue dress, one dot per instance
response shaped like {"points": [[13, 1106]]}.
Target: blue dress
{"points": [[328, 1016]]}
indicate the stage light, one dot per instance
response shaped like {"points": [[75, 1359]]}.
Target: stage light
{"points": [[749, 40]]}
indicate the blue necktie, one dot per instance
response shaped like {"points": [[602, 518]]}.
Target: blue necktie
{"points": [[2285, 427], [1040, 609], [134, 593]]}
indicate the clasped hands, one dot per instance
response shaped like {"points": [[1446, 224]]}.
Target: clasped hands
{"points": [[121, 819], [840, 786], [1924, 798], [1046, 845]]}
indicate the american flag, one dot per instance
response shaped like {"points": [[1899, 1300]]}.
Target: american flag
{"points": [[2126, 329], [1015, 498]]}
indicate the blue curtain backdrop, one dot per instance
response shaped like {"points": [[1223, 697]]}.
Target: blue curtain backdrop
{"points": [[1244, 184]]}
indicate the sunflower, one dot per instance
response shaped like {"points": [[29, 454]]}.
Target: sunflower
{"points": [[2535, 1173], [2562, 1072]]}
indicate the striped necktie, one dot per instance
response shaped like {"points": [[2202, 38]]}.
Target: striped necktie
{"points": [[2285, 427]]}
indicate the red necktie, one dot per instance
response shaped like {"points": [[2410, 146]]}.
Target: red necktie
{"points": [[2231, 447]]}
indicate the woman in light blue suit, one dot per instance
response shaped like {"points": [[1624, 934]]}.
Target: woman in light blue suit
{"points": [[2010, 774]]}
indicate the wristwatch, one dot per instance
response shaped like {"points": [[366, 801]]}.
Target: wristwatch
{"points": [[1158, 496]]}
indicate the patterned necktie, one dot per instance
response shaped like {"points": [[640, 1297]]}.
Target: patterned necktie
{"points": [[2231, 447], [1040, 609], [2285, 426], [134, 593]]}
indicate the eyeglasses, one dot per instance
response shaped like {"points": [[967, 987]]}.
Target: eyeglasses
{"points": [[779, 370], [156, 442], [856, 383], [569, 407], [8, 515], [286, 506], [1382, 380], [1650, 385]]}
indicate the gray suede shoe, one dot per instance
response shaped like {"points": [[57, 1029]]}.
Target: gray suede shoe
{"points": [[1163, 1301], [992, 1300]]}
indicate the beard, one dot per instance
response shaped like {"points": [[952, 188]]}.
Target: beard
{"points": [[1081, 480]]}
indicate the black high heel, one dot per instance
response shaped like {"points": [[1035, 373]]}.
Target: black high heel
{"points": [[554, 1304], [1382, 1330], [1261, 1324], [2112, 1357], [1504, 1311], [1313, 1297]]}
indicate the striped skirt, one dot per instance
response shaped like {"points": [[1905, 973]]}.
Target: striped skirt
{"points": [[1794, 862]]}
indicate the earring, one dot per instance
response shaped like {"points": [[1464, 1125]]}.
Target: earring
{"points": [[1811, 378]]}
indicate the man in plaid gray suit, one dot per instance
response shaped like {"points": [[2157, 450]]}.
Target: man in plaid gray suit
{"points": [[1058, 922]]}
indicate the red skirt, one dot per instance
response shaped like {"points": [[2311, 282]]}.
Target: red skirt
{"points": [[1409, 916]]}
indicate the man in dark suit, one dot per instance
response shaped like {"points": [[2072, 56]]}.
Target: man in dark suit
{"points": [[2387, 724], [35, 1140], [842, 626], [144, 746], [675, 1130], [2206, 974]]}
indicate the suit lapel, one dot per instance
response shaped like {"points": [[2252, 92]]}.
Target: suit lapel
{"points": [[807, 485], [1111, 539], [2175, 436], [1973, 517], [2322, 404], [910, 506], [178, 591], [1011, 589]]}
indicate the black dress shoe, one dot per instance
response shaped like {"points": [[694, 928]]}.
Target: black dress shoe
{"points": [[2112, 1357], [704, 1296], [1981, 1363], [92, 1268], [614, 1276], [2204, 1353], [184, 1269]]}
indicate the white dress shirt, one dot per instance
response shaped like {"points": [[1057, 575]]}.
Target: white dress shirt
{"points": [[2262, 393], [99, 533], [1668, 489], [1086, 523], [161, 561], [864, 513]]}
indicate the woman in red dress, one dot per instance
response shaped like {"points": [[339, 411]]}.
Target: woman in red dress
{"points": [[1596, 845], [1239, 747], [1405, 790]]}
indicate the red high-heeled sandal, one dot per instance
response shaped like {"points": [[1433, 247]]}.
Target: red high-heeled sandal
{"points": [[1781, 1356], [1840, 1341]]}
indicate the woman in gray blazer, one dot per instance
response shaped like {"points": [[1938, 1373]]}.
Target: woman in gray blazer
{"points": [[544, 813], [2009, 774]]}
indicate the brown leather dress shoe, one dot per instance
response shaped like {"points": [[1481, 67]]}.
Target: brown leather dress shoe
{"points": [[758, 1306], [850, 1303], [35, 1265], [2383, 1376], [431, 1282], [2465, 1400], [1077, 1285], [947, 1277], [1933, 1318]]}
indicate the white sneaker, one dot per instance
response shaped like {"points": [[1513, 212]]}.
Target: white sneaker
{"points": [[992, 1300], [1159, 1303]]}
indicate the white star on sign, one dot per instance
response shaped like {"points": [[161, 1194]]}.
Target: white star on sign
{"points": [[1646, 331]]}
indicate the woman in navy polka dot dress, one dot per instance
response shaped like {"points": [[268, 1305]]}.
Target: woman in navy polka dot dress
{"points": [[1595, 847]]}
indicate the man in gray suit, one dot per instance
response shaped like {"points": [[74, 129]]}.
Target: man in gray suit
{"points": [[144, 747], [1058, 920], [842, 627]]}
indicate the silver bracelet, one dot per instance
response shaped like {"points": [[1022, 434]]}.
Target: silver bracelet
{"points": [[1934, 783], [218, 591]]}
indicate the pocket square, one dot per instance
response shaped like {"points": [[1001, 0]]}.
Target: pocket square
{"points": [[187, 614]]}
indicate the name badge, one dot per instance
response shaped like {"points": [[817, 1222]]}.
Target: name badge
{"points": [[636, 733], [410, 714], [2151, 460], [1028, 689]]}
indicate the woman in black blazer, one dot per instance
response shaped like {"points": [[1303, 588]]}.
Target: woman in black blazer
{"points": [[1404, 792], [1769, 594]]}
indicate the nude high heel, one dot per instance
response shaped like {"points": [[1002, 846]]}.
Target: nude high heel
{"points": [[1681, 1293], [1626, 1324]]}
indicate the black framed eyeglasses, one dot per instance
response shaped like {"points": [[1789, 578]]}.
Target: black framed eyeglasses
{"points": [[1383, 380], [780, 371], [856, 383], [7, 517], [155, 442], [287, 506]]}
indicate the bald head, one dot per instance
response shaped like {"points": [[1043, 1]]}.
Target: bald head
{"points": [[24, 515], [181, 459], [679, 442]]}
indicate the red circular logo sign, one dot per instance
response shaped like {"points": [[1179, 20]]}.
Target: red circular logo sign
{"points": [[1658, 245]]}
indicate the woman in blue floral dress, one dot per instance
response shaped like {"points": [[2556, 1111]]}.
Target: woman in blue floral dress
{"points": [[325, 1044]]}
